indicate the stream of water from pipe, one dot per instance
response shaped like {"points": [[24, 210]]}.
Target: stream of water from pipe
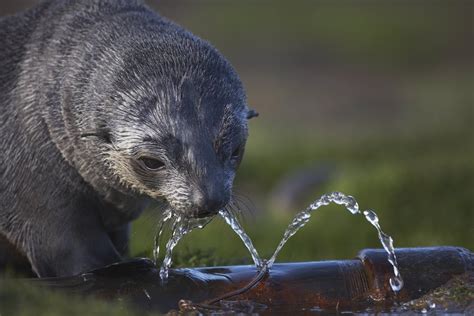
{"points": [[396, 282], [182, 225]]}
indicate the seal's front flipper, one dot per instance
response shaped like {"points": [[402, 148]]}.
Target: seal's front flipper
{"points": [[12, 260], [72, 244], [120, 238], [86, 253]]}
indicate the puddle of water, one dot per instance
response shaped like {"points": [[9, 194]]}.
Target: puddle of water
{"points": [[181, 226]]}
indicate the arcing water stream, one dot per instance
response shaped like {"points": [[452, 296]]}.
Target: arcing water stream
{"points": [[396, 282], [181, 226], [232, 221]]}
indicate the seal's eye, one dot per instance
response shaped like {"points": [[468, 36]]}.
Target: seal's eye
{"points": [[152, 163], [236, 153]]}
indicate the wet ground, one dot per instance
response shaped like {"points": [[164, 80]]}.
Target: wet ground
{"points": [[456, 296]]}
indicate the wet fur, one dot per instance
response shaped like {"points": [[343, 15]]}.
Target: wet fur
{"points": [[85, 87]]}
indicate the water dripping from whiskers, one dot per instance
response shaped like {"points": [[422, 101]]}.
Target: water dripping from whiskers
{"points": [[177, 232], [162, 223], [181, 226]]}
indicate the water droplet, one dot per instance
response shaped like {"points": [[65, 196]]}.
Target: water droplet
{"points": [[396, 283], [337, 197], [351, 204], [371, 217], [147, 294]]}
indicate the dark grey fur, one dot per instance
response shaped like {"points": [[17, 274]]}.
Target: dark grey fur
{"points": [[88, 90]]}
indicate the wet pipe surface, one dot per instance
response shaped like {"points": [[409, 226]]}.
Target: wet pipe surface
{"points": [[350, 285]]}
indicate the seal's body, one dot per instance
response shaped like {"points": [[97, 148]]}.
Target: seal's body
{"points": [[104, 106]]}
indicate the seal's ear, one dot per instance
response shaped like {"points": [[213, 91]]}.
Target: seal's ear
{"points": [[102, 134], [251, 113]]}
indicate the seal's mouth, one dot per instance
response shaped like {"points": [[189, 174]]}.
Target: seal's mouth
{"points": [[195, 215], [191, 213]]}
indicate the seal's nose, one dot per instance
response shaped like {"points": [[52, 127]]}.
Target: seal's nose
{"points": [[208, 204]]}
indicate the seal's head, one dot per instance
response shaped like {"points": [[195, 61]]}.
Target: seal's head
{"points": [[178, 126]]}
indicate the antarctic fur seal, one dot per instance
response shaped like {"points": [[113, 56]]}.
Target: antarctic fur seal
{"points": [[104, 106]]}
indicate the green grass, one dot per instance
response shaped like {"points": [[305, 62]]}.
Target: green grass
{"points": [[22, 299]]}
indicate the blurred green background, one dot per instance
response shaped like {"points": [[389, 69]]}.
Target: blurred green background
{"points": [[371, 98]]}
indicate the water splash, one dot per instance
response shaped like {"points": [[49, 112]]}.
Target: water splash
{"points": [[232, 221], [396, 282], [181, 226], [164, 219]]}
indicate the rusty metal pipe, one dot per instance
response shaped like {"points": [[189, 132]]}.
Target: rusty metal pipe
{"points": [[344, 284]]}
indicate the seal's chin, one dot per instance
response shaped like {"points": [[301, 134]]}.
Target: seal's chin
{"points": [[204, 214]]}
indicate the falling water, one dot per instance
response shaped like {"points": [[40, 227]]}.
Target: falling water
{"points": [[181, 226], [156, 249], [396, 282], [232, 221]]}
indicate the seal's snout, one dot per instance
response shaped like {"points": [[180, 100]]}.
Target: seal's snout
{"points": [[209, 203]]}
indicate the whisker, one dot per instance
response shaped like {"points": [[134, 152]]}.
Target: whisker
{"points": [[246, 201], [234, 208], [244, 204]]}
